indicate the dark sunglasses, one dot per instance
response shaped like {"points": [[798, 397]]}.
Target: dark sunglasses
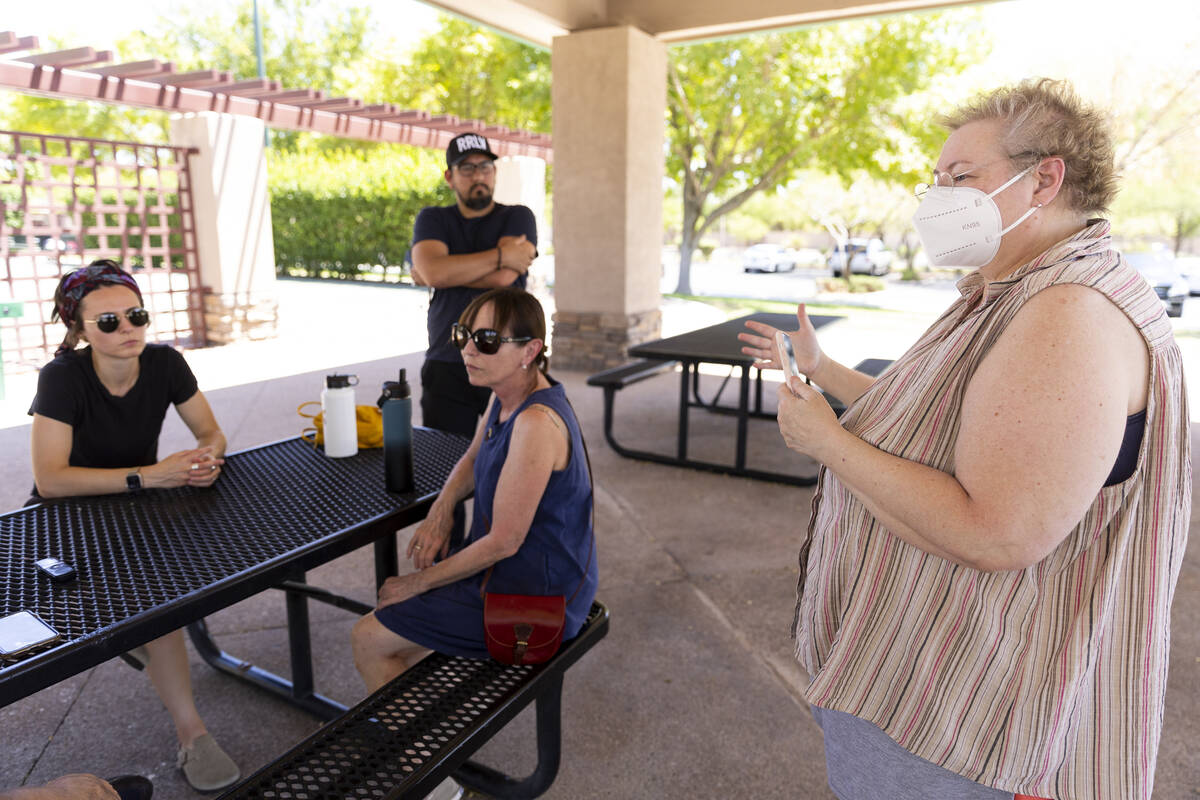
{"points": [[487, 340], [110, 321]]}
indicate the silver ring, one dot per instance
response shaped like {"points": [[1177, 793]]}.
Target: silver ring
{"points": [[416, 547]]}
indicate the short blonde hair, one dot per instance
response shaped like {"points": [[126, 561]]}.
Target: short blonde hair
{"points": [[1043, 118]]}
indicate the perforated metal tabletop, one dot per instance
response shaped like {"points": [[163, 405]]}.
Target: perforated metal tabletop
{"points": [[152, 562]]}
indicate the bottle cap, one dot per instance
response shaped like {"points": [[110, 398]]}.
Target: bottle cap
{"points": [[395, 389], [340, 381]]}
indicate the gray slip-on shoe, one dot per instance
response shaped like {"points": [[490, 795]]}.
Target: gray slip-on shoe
{"points": [[448, 789], [206, 767]]}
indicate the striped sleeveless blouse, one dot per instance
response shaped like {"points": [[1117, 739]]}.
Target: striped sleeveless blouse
{"points": [[1046, 681]]}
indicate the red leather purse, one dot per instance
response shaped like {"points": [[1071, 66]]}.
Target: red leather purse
{"points": [[523, 628]]}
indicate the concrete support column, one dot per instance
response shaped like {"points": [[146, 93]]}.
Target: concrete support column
{"points": [[609, 98], [232, 207]]}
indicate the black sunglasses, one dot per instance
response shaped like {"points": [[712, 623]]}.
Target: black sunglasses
{"points": [[487, 340], [109, 321]]}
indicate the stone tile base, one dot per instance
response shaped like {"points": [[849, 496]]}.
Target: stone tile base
{"points": [[592, 341], [231, 318]]}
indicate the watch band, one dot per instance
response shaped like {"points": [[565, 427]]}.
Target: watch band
{"points": [[133, 481]]}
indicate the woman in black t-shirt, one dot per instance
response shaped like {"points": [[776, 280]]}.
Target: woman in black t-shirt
{"points": [[96, 420]]}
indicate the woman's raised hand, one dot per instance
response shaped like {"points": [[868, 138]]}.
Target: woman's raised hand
{"points": [[761, 344]]}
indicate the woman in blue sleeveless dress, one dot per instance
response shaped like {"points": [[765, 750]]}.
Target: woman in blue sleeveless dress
{"points": [[532, 522]]}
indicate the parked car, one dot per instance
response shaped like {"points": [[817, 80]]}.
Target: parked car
{"points": [[67, 243], [1162, 273], [867, 256], [768, 258]]}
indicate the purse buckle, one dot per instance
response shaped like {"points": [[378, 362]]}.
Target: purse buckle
{"points": [[523, 631]]}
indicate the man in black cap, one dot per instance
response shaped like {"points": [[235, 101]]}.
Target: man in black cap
{"points": [[461, 251]]}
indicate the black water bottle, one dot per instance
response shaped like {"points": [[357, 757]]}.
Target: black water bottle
{"points": [[396, 405]]}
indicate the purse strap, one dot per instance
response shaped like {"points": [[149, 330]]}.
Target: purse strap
{"points": [[591, 490]]}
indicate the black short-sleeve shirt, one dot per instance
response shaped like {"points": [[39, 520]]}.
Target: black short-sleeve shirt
{"points": [[463, 236], [110, 432]]}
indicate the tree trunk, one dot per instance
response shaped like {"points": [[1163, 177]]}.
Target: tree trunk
{"points": [[687, 246], [689, 238]]}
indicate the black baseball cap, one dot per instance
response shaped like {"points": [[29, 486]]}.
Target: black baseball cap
{"points": [[464, 145]]}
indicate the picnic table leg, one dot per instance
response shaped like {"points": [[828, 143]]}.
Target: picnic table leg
{"points": [[739, 462], [683, 405], [494, 783], [298, 691], [387, 559], [758, 387], [299, 643]]}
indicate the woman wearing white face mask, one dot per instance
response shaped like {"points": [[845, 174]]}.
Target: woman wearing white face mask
{"points": [[986, 584]]}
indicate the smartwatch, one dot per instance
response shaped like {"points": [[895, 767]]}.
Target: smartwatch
{"points": [[133, 481]]}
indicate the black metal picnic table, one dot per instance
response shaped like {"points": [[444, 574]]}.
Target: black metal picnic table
{"points": [[718, 344], [152, 562]]}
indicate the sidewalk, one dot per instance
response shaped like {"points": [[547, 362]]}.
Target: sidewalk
{"points": [[694, 693]]}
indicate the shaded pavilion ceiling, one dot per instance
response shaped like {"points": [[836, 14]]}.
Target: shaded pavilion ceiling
{"points": [[539, 21]]}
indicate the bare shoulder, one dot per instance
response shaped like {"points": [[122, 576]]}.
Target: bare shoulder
{"points": [[540, 420], [539, 429], [1068, 339]]}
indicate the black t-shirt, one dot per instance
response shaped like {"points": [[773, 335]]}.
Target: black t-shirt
{"points": [[462, 236], [110, 432]]}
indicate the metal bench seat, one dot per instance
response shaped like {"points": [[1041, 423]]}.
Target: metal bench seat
{"points": [[406, 738], [630, 373]]}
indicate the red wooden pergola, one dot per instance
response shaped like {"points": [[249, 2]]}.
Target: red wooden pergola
{"points": [[83, 73]]}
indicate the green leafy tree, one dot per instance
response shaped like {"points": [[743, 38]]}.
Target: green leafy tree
{"points": [[468, 71], [744, 115], [1158, 153]]}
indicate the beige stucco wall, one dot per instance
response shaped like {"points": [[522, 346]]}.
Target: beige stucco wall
{"points": [[229, 194], [232, 206], [608, 95]]}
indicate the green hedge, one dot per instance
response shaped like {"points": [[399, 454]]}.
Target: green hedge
{"points": [[342, 213]]}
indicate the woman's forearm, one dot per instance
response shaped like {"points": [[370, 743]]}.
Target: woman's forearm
{"points": [[472, 559], [73, 481], [923, 506], [215, 440], [458, 486], [844, 383]]}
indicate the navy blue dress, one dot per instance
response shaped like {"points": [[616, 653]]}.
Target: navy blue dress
{"points": [[553, 559]]}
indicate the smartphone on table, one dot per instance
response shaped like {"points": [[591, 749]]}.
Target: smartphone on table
{"points": [[23, 631]]}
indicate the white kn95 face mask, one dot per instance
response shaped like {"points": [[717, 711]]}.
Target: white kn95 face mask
{"points": [[960, 226]]}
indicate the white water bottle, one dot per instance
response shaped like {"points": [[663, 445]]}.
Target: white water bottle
{"points": [[339, 415]]}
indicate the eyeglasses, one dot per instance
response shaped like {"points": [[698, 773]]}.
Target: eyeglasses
{"points": [[487, 340], [109, 321], [483, 169], [951, 180]]}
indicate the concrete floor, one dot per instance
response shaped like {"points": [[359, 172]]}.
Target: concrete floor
{"points": [[694, 693]]}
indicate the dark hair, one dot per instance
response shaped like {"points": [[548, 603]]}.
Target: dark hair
{"points": [[78, 284], [515, 312]]}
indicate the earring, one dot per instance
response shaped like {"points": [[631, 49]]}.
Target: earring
{"points": [[524, 366]]}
